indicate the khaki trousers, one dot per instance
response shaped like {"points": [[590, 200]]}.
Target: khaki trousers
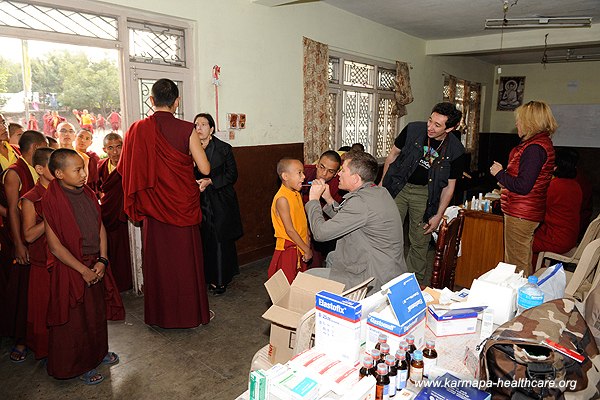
{"points": [[518, 239]]}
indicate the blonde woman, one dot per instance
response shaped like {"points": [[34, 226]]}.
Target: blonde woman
{"points": [[525, 181]]}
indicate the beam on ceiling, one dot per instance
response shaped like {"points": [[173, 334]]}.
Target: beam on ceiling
{"points": [[514, 41]]}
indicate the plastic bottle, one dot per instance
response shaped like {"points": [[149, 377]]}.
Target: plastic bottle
{"points": [[384, 352], [390, 361], [383, 382], [429, 357], [402, 369], [416, 367], [367, 366], [381, 339], [530, 295]]}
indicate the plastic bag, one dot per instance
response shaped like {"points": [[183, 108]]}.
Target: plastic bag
{"points": [[553, 282]]}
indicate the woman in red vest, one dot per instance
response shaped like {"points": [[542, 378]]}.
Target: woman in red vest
{"points": [[525, 181]]}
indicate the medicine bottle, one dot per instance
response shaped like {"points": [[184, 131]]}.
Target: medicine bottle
{"points": [[384, 352], [376, 355], [402, 370], [429, 357], [416, 367], [367, 367], [390, 361], [383, 382], [404, 347], [381, 339], [410, 339]]}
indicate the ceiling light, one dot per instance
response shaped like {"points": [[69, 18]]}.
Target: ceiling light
{"points": [[539, 22]]}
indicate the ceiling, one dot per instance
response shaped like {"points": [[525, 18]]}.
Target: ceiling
{"points": [[438, 20], [445, 24]]}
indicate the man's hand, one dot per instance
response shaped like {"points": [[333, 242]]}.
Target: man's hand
{"points": [[433, 224], [327, 195], [317, 188], [99, 269], [495, 168], [203, 183], [89, 276], [21, 254]]}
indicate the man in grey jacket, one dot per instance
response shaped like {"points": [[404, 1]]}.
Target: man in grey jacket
{"points": [[367, 225]]}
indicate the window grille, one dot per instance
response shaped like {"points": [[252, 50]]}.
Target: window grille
{"points": [[386, 127], [61, 20], [467, 98], [385, 79], [156, 44], [333, 68], [359, 74], [145, 89], [332, 108]]}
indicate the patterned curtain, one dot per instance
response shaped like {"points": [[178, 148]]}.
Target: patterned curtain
{"points": [[474, 114], [402, 91], [316, 118]]}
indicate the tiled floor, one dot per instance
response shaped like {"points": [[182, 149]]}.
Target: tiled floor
{"points": [[209, 362]]}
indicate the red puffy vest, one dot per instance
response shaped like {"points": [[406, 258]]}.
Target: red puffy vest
{"points": [[531, 206]]}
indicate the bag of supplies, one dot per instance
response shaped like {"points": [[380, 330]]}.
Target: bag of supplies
{"points": [[547, 352]]}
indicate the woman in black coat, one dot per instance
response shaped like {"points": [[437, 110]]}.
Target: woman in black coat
{"points": [[221, 221]]}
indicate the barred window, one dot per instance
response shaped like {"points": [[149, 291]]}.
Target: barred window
{"points": [[156, 44], [361, 95]]}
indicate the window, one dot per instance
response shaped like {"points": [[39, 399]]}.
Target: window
{"points": [[361, 94], [467, 97]]}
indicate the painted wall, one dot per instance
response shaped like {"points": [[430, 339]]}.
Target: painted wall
{"points": [[568, 83], [259, 50]]}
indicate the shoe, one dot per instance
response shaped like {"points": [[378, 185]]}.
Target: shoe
{"points": [[219, 290], [110, 358], [92, 377], [18, 356]]}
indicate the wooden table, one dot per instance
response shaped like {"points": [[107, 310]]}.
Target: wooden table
{"points": [[482, 246]]}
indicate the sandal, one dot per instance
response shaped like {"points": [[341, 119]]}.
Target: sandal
{"points": [[92, 377], [18, 356], [110, 358]]}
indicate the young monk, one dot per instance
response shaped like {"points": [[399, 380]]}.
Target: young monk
{"points": [[18, 179], [82, 290], [39, 278], [113, 216], [83, 141], [292, 249]]}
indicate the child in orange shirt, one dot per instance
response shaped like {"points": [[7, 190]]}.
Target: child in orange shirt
{"points": [[292, 249]]}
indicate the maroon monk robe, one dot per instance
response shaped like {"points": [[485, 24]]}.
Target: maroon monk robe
{"points": [[115, 221], [77, 313], [160, 188], [39, 282], [14, 318], [92, 179]]}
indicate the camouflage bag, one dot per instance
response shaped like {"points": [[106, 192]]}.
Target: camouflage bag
{"points": [[517, 365]]}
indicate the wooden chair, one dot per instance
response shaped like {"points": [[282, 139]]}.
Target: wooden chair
{"points": [[446, 252], [306, 329], [572, 256]]}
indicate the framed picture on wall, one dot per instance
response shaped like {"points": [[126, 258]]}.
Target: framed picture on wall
{"points": [[510, 92]]}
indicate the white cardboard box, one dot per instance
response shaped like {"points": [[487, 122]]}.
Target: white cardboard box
{"points": [[404, 315], [451, 322], [337, 327]]}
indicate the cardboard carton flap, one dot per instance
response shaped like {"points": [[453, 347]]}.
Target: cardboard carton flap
{"points": [[277, 286], [282, 316], [314, 284]]}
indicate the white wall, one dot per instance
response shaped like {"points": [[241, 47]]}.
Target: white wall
{"points": [[259, 50], [566, 83]]}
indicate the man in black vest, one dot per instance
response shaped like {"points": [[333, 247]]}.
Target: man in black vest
{"points": [[420, 173]]}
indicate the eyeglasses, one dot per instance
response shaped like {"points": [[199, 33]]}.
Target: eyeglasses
{"points": [[67, 131], [331, 171]]}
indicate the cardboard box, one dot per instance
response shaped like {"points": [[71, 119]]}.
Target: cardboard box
{"points": [[293, 385], [404, 315], [362, 390], [452, 322], [452, 388], [337, 327], [290, 303]]}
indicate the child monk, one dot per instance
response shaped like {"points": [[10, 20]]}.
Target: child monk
{"points": [[114, 218], [292, 249], [82, 290], [39, 278], [83, 141]]}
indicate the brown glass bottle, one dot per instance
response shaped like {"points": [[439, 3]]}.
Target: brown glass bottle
{"points": [[429, 357], [416, 367], [404, 347], [384, 352], [367, 367], [383, 383], [410, 339], [401, 369], [390, 361], [381, 339], [376, 354]]}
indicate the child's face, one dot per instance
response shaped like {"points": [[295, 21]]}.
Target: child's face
{"points": [[73, 174], [83, 141], [294, 176], [113, 148]]}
